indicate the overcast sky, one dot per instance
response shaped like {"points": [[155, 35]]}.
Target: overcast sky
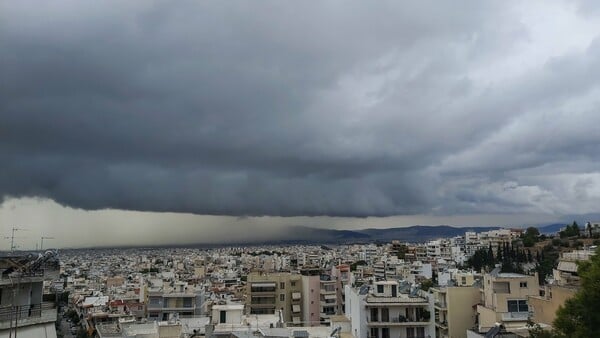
{"points": [[200, 119]]}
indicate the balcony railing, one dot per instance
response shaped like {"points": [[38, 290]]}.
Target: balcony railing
{"points": [[402, 321], [27, 314], [515, 316]]}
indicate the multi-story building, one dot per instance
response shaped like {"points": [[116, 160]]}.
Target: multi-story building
{"points": [[328, 298], [496, 238], [23, 312], [176, 299], [379, 269], [311, 294], [504, 299], [382, 311], [269, 293], [455, 310]]}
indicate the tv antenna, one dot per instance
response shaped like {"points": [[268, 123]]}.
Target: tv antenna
{"points": [[13, 246], [42, 241]]}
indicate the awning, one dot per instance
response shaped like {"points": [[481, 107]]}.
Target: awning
{"points": [[264, 284], [296, 319], [295, 308], [330, 296], [296, 295]]}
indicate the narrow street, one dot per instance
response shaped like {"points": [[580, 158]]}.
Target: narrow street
{"points": [[65, 329]]}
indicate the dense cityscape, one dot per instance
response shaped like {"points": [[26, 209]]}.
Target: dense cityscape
{"points": [[497, 283], [299, 169]]}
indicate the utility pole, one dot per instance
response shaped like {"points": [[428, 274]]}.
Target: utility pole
{"points": [[42, 241]]}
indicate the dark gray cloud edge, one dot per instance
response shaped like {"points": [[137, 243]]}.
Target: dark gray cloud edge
{"points": [[340, 110]]}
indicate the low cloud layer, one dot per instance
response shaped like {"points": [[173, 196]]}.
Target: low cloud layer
{"points": [[329, 109]]}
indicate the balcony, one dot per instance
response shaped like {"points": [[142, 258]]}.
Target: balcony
{"points": [[401, 321], [179, 308], [26, 315], [325, 304], [296, 296], [263, 305], [442, 325], [514, 316]]}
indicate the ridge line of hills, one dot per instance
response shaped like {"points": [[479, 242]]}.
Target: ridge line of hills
{"points": [[303, 235]]}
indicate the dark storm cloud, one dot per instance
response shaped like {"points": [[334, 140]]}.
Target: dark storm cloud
{"points": [[336, 108]]}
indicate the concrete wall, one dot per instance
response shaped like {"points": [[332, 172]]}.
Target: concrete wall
{"points": [[544, 308], [310, 300], [461, 315]]}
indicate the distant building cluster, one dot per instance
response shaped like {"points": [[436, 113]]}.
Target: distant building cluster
{"points": [[385, 290]]}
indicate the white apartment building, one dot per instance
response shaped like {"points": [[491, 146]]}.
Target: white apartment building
{"points": [[382, 311]]}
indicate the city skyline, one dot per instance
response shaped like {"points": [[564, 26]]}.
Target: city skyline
{"points": [[143, 122]]}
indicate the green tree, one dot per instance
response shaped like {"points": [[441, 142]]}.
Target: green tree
{"points": [[532, 231], [357, 263], [530, 237], [579, 318], [426, 284], [402, 250], [575, 229]]}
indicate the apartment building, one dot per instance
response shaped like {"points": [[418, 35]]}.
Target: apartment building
{"points": [[267, 293], [383, 311], [504, 299], [496, 238], [328, 298], [173, 299], [22, 309], [454, 308], [341, 273]]}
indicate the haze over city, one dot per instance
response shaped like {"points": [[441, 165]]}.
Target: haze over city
{"points": [[141, 122]]}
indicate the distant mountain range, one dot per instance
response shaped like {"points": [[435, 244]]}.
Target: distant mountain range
{"points": [[551, 228], [308, 235], [416, 233]]}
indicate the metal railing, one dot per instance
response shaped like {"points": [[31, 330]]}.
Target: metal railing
{"points": [[8, 313]]}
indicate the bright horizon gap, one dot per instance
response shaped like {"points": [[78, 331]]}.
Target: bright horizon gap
{"points": [[72, 227]]}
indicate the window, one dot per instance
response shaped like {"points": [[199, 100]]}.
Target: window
{"points": [[410, 332], [282, 297], [379, 288], [293, 284], [517, 306], [523, 284], [374, 315], [463, 280], [385, 332], [385, 315], [282, 285], [374, 332]]}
